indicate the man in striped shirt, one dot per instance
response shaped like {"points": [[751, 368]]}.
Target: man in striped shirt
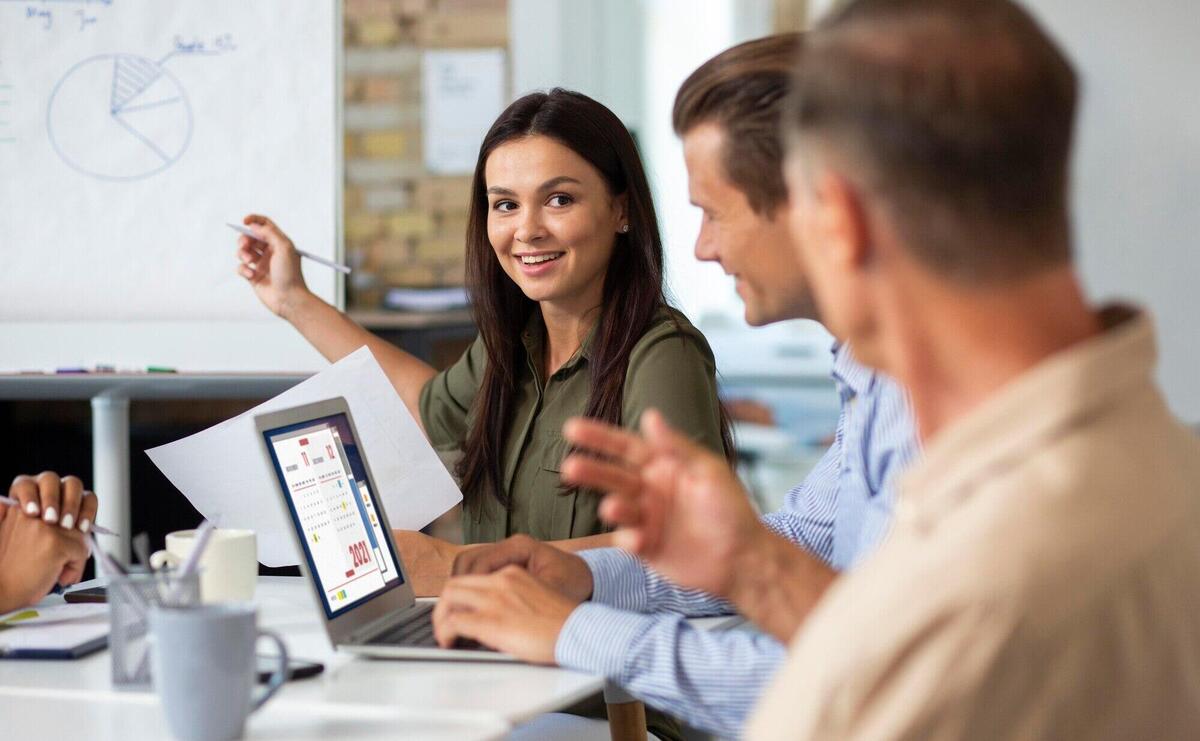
{"points": [[603, 611]]}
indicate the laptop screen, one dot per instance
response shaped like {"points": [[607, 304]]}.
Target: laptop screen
{"points": [[334, 511]]}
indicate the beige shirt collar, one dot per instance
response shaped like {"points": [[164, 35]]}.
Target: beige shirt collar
{"points": [[1029, 411]]}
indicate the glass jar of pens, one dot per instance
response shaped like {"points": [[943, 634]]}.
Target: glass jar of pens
{"points": [[132, 594], [131, 597]]}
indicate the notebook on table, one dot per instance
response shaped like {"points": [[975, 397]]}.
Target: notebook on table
{"points": [[54, 631]]}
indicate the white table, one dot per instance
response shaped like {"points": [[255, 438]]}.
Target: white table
{"points": [[110, 394], [353, 698]]}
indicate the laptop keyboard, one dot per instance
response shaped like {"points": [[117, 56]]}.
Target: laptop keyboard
{"points": [[417, 630]]}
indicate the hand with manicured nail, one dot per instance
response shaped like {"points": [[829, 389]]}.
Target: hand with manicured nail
{"points": [[41, 545], [63, 501]]}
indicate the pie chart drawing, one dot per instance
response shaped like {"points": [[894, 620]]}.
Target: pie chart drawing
{"points": [[119, 117]]}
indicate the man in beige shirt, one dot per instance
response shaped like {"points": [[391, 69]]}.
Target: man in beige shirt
{"points": [[1042, 579]]}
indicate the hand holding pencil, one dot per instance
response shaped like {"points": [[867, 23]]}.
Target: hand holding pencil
{"points": [[271, 264]]}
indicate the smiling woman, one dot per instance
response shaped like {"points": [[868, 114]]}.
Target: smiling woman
{"points": [[564, 264], [564, 270], [565, 273]]}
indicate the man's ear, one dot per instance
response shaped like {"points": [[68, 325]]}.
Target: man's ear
{"points": [[843, 221]]}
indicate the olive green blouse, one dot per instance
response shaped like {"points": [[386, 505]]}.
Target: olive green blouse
{"points": [[671, 369]]}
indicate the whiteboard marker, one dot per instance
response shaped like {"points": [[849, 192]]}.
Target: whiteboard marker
{"points": [[335, 265]]}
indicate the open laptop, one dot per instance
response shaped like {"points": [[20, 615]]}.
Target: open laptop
{"points": [[342, 531]]}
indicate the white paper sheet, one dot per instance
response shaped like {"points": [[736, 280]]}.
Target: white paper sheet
{"points": [[463, 91], [48, 614], [225, 473], [59, 627]]}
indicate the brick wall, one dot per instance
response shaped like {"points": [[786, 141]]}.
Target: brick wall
{"points": [[403, 226]]}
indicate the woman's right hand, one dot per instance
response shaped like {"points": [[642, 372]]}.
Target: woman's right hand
{"points": [[271, 265], [427, 560]]}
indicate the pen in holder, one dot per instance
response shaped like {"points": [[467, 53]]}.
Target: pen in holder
{"points": [[131, 597]]}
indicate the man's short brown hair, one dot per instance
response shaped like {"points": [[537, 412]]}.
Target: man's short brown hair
{"points": [[957, 115], [742, 90]]}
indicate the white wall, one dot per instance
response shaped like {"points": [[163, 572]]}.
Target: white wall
{"points": [[592, 46], [1137, 166], [680, 36]]}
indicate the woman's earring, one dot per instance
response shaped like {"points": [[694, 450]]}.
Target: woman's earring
{"points": [[625, 229]]}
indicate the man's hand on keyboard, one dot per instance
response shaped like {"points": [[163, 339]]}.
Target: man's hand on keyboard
{"points": [[555, 568], [509, 610]]}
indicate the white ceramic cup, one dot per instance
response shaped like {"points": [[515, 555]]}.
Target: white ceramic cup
{"points": [[228, 568]]}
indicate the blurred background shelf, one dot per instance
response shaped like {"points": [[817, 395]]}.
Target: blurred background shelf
{"points": [[381, 320]]}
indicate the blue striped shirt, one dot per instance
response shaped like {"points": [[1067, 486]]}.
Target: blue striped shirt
{"points": [[634, 630]]}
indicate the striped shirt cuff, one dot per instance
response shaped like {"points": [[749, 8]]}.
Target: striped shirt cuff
{"points": [[618, 579], [597, 639]]}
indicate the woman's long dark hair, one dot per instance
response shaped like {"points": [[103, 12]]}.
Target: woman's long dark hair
{"points": [[633, 283]]}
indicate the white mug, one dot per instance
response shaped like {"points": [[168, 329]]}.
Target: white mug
{"points": [[228, 568]]}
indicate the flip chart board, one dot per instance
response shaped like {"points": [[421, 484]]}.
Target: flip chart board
{"points": [[130, 132]]}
